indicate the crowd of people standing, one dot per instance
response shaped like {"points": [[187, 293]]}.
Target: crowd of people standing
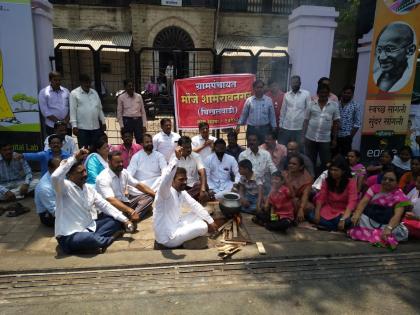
{"points": [[93, 193]]}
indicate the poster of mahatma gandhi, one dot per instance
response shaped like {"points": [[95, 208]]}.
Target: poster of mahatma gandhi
{"points": [[395, 54]]}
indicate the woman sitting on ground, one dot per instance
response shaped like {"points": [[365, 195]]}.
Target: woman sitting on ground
{"points": [[385, 159], [408, 180], [378, 215], [358, 169], [299, 181], [97, 161], [412, 219], [386, 164], [402, 161], [337, 199]]}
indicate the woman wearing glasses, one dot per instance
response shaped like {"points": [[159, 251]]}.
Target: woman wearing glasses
{"points": [[377, 218]]}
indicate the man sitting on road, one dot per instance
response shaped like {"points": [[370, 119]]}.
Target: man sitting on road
{"points": [[221, 169], [75, 228], [196, 173], [171, 228], [146, 166], [45, 195], [15, 175], [112, 183], [60, 128]]}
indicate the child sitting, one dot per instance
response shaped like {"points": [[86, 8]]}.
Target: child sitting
{"points": [[278, 212], [250, 188]]}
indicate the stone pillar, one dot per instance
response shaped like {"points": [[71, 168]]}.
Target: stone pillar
{"points": [[362, 76], [311, 38], [42, 17]]}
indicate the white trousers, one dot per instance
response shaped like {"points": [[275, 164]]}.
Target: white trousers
{"points": [[189, 227]]}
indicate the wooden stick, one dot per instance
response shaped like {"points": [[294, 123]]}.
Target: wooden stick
{"points": [[241, 243], [234, 229], [261, 248]]}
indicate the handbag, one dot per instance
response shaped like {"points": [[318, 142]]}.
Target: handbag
{"points": [[378, 213]]}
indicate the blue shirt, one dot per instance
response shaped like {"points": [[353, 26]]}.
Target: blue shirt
{"points": [[45, 195], [15, 170], [349, 118], [43, 157], [258, 112]]}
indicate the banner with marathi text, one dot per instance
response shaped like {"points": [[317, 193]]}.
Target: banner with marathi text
{"points": [[216, 99], [393, 60]]}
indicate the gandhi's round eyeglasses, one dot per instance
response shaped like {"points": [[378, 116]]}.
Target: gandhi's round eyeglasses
{"points": [[388, 50]]}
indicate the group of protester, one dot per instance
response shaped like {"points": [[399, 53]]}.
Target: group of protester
{"points": [[93, 194]]}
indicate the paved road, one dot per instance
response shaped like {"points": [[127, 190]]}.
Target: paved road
{"points": [[374, 284]]}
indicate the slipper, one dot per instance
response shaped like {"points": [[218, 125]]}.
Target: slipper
{"points": [[17, 210], [257, 221]]}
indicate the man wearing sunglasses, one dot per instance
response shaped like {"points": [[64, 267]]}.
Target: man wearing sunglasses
{"points": [[394, 52]]}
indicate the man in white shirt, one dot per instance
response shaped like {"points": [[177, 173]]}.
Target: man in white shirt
{"points": [[146, 166], [221, 169], [203, 143], [54, 103], [69, 145], [112, 183], [196, 173], [292, 113], [86, 113], [262, 164], [172, 229], [166, 141], [75, 229]]}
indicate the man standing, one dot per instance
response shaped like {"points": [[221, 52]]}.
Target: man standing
{"points": [[166, 141], [196, 173], [221, 169], [350, 120], [203, 143], [112, 183], [54, 103], [15, 175], [276, 96], [128, 149], [86, 115], [169, 74], [331, 96], [292, 114], [131, 114], [277, 151], [262, 164], [395, 49], [321, 116], [45, 195], [147, 166], [171, 228], [75, 228], [258, 113]]}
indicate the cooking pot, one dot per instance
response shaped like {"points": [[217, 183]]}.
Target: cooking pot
{"points": [[230, 204]]}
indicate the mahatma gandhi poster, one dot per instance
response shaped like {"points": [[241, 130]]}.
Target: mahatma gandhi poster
{"points": [[392, 71], [395, 53]]}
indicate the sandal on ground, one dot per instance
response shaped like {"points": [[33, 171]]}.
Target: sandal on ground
{"points": [[17, 210]]}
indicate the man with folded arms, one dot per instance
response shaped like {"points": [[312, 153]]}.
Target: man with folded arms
{"points": [[75, 228], [112, 183]]}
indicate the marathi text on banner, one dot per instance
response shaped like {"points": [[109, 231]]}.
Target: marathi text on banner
{"points": [[216, 99]]}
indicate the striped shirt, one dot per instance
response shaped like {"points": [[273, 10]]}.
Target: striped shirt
{"points": [[258, 112], [15, 170]]}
